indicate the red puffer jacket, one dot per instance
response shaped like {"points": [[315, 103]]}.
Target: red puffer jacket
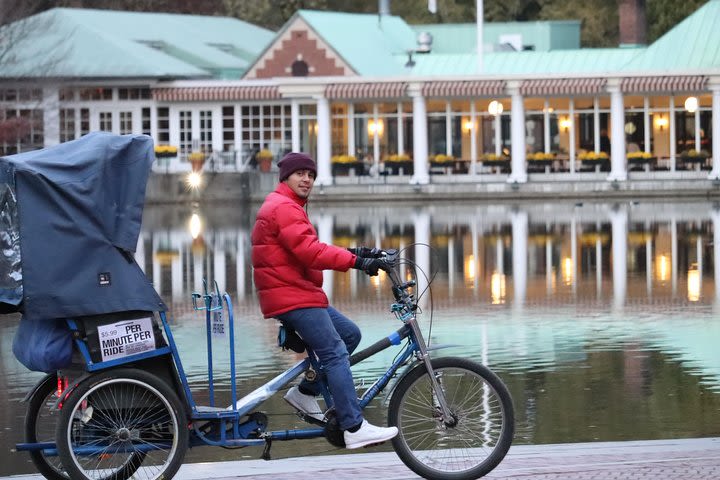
{"points": [[287, 257]]}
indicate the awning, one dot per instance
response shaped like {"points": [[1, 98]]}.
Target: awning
{"points": [[211, 94], [664, 84], [479, 88], [551, 87], [366, 90]]}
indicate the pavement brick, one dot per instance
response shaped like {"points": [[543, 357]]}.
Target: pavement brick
{"points": [[685, 459]]}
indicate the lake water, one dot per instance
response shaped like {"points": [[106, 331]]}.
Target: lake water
{"points": [[602, 319]]}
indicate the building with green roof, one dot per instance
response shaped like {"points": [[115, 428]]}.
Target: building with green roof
{"points": [[370, 94]]}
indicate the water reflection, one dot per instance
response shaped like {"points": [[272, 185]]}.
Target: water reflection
{"points": [[506, 254], [601, 318]]}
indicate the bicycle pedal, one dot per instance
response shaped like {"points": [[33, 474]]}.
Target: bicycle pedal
{"points": [[308, 419]]}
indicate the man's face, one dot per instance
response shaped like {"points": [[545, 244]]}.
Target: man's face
{"points": [[301, 182]]}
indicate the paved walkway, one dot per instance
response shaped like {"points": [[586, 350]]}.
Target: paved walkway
{"points": [[688, 459]]}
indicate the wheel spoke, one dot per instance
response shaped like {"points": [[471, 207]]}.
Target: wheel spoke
{"points": [[480, 409]]}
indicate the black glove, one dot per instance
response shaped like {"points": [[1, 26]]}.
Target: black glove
{"points": [[366, 252], [368, 265]]}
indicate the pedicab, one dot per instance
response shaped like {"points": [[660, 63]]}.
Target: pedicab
{"points": [[116, 392]]}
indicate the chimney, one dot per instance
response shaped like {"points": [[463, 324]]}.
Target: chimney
{"points": [[633, 25]]}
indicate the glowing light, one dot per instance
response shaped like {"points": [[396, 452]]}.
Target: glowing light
{"points": [[567, 271], [195, 225], [194, 179], [693, 284], [495, 108], [662, 267], [565, 124], [470, 270], [376, 128], [468, 125], [661, 122], [691, 104], [497, 288]]}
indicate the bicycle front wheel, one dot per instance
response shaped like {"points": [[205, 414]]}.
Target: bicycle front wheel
{"points": [[119, 423], [476, 439]]}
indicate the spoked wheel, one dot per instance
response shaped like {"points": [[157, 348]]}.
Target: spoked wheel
{"points": [[40, 419], [119, 423], [467, 446]]}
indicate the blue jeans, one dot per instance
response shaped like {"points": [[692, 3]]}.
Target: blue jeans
{"points": [[333, 337]]}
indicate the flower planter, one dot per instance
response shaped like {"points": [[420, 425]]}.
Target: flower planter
{"points": [[345, 168], [264, 164], [400, 168], [196, 162]]}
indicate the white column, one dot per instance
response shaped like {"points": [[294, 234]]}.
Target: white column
{"points": [[519, 221], [237, 129], [473, 138], [295, 125], [376, 139], [153, 123], [618, 221], [497, 120], [618, 172], [51, 115], [596, 124], [217, 132], [448, 130], [646, 122], [715, 122], [421, 222], [518, 169], [698, 145], [546, 126], [673, 139], [420, 141], [400, 129], [324, 176], [571, 136], [325, 228], [351, 129]]}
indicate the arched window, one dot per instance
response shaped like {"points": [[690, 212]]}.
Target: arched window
{"points": [[299, 68]]}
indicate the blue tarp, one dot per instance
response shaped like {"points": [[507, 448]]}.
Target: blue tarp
{"points": [[79, 209]]}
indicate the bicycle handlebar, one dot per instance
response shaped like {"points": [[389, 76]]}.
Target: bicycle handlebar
{"points": [[390, 259]]}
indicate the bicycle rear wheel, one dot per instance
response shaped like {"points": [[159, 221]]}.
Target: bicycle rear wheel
{"points": [[40, 419], [475, 441], [119, 423]]}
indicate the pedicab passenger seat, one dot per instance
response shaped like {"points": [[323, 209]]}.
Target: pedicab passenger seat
{"points": [[74, 211]]}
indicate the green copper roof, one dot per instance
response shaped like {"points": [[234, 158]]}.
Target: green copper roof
{"points": [[581, 61], [365, 41], [66, 42]]}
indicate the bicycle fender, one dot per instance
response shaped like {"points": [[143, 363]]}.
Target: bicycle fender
{"points": [[415, 364], [32, 391]]}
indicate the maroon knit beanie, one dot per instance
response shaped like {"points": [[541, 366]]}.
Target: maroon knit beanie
{"points": [[293, 162]]}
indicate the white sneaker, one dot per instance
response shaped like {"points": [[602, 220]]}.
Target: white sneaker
{"points": [[304, 403], [368, 434]]}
